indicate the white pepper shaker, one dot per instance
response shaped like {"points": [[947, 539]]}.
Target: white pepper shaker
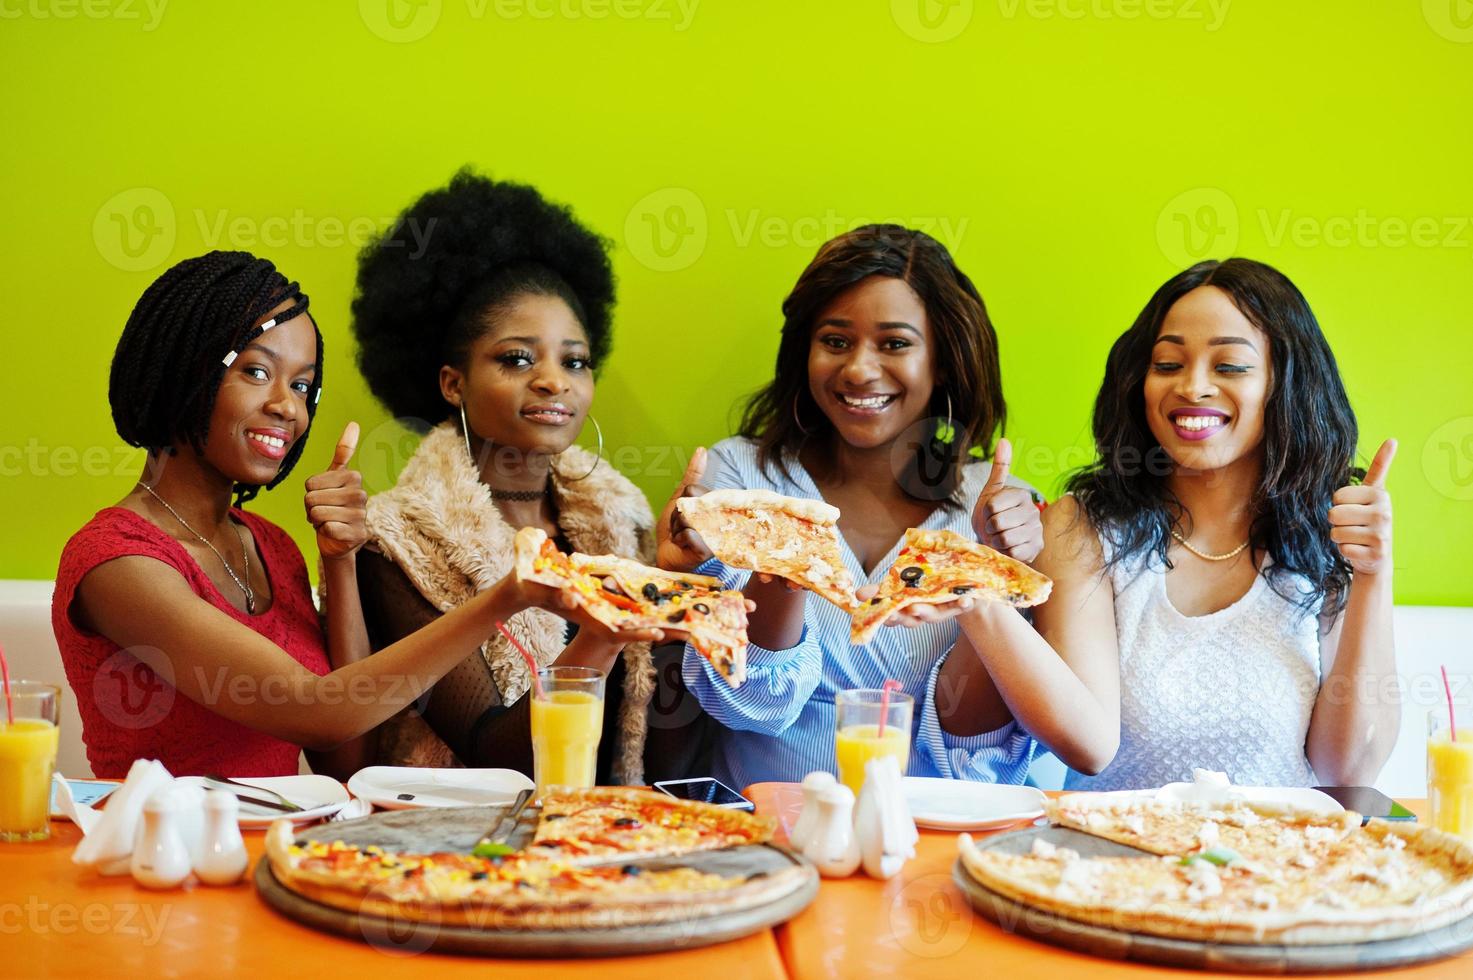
{"points": [[160, 858], [833, 846], [813, 784], [223, 858]]}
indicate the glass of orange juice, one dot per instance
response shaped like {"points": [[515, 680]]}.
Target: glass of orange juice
{"points": [[1450, 772], [566, 726], [857, 734], [27, 759]]}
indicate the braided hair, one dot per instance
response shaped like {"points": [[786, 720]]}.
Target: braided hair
{"points": [[454, 259], [179, 341]]}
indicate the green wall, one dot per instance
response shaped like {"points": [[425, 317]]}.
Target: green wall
{"points": [[1074, 153]]}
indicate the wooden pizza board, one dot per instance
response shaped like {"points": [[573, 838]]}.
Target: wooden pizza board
{"points": [[1016, 917], [459, 828]]}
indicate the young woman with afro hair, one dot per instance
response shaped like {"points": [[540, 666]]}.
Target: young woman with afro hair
{"points": [[186, 624], [487, 341]]}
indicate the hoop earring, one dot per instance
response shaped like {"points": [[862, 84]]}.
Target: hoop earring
{"points": [[465, 430], [599, 454], [797, 421]]}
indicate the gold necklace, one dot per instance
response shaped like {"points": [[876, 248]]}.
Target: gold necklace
{"points": [[1204, 555], [250, 595]]}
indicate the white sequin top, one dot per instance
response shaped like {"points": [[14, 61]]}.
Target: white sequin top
{"points": [[1230, 691]]}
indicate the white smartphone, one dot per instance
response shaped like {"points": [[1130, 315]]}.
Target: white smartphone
{"points": [[705, 789]]}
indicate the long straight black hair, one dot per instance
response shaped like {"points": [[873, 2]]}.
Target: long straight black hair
{"points": [[1309, 438]]}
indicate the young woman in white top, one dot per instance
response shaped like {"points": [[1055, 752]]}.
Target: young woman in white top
{"points": [[1222, 574]]}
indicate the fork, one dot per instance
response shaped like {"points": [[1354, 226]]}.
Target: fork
{"points": [[291, 807]]}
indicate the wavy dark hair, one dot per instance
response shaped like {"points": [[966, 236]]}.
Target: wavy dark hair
{"points": [[172, 356], [1309, 440], [429, 286], [965, 362]]}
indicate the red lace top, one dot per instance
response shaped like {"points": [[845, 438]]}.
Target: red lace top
{"points": [[131, 712]]}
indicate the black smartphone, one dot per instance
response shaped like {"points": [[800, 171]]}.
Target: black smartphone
{"points": [[705, 790], [1368, 802]]}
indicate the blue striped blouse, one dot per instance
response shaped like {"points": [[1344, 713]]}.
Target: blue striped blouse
{"points": [[779, 725]]}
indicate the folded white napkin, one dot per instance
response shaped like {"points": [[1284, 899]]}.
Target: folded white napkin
{"points": [[108, 844]]}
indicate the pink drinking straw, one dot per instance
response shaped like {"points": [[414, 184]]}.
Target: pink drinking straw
{"points": [[885, 689], [1452, 724], [9, 702], [537, 690]]}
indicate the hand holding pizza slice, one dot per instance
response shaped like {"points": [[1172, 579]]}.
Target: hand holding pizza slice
{"points": [[794, 538], [939, 567], [643, 597]]}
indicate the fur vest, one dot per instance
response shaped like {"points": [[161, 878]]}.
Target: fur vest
{"points": [[440, 527]]}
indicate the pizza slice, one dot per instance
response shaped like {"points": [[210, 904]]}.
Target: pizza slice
{"points": [[942, 566], [793, 537], [622, 823], [644, 597]]}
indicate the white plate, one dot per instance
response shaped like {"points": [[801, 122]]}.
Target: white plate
{"points": [[387, 786], [1298, 796], [318, 796], [959, 804]]}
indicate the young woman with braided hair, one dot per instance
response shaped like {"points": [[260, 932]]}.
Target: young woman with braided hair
{"points": [[173, 591]]}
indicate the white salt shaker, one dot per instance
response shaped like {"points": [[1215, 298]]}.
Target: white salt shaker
{"points": [[832, 846], [160, 858], [813, 783], [223, 857]]}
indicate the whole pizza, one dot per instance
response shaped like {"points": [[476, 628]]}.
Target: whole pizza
{"points": [[1238, 872], [581, 870]]}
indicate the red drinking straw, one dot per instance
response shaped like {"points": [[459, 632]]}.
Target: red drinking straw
{"points": [[5, 675], [885, 689], [537, 690], [1452, 724]]}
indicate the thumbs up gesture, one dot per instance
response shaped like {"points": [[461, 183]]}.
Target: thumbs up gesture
{"points": [[1006, 518], [1360, 520], [336, 504], [678, 547]]}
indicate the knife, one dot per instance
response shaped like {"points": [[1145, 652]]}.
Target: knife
{"points": [[494, 843]]}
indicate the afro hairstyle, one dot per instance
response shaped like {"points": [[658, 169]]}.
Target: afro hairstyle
{"points": [[428, 286]]}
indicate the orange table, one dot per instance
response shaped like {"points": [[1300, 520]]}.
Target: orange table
{"points": [[918, 924], [58, 920]]}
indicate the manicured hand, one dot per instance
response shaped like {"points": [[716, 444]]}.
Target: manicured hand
{"points": [[1360, 520], [1006, 518], [679, 548], [336, 504], [920, 613]]}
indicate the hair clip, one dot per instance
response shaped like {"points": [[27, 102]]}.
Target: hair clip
{"points": [[229, 359]]}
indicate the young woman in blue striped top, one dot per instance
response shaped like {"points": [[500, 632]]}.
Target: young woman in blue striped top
{"points": [[887, 377]]}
